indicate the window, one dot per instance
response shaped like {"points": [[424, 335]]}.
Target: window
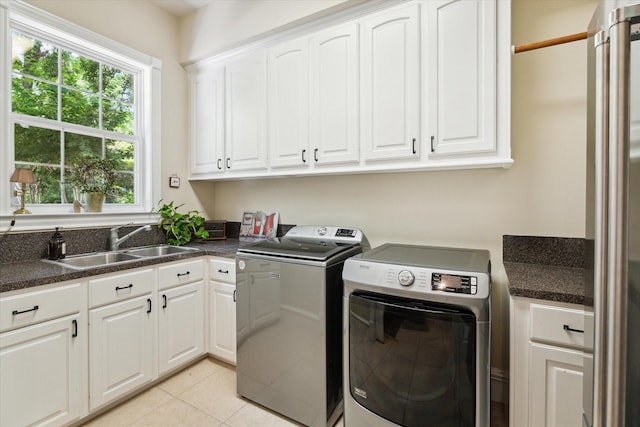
{"points": [[75, 94]]}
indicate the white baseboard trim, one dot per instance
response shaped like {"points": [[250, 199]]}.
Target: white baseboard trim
{"points": [[499, 385]]}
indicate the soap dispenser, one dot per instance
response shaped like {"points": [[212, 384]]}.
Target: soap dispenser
{"points": [[57, 246]]}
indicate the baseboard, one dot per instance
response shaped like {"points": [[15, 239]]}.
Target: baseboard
{"points": [[499, 386]]}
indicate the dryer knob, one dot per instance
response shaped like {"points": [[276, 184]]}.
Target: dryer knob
{"points": [[322, 230], [406, 278]]}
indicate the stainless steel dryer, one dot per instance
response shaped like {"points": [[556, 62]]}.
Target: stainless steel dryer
{"points": [[417, 337], [289, 321]]}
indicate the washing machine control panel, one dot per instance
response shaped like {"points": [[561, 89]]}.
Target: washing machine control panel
{"points": [[454, 283]]}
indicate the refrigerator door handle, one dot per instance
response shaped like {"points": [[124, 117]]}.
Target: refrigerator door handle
{"points": [[617, 274], [601, 203]]}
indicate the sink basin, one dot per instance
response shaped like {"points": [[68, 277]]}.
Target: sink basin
{"points": [[101, 259], [95, 259], [155, 251]]}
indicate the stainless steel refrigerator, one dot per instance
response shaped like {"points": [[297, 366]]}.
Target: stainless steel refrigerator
{"points": [[612, 377]]}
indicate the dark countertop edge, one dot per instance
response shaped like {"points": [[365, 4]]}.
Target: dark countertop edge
{"points": [[524, 281], [54, 273]]}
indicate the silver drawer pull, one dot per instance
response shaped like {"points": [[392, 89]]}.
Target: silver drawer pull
{"points": [[570, 329], [16, 312]]}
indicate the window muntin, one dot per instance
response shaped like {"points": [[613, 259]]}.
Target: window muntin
{"points": [[66, 105]]}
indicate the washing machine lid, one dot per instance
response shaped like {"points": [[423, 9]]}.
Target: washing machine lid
{"points": [[311, 242], [473, 260], [296, 248]]}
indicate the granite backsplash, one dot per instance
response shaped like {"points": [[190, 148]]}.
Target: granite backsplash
{"points": [[23, 246], [556, 251]]}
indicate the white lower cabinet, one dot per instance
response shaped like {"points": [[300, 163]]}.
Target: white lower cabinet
{"points": [[181, 313], [546, 366], [180, 325], [43, 338], [121, 351], [222, 309], [222, 335], [555, 386], [69, 349], [42, 373]]}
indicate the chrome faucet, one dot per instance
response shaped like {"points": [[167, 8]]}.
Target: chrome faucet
{"points": [[116, 242]]}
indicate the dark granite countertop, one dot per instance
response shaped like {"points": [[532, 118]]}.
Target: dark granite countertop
{"points": [[546, 268], [35, 272]]}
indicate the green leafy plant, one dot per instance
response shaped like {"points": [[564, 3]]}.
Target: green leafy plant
{"points": [[93, 175], [180, 228]]}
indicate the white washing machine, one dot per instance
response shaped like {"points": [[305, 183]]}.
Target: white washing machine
{"points": [[417, 337]]}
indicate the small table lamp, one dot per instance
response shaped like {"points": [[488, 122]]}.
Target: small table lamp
{"points": [[23, 176]]}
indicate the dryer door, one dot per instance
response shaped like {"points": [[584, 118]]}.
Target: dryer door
{"points": [[412, 362]]}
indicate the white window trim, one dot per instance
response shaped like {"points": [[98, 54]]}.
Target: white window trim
{"points": [[149, 156]]}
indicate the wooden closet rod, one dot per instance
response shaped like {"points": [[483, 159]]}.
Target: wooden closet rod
{"points": [[550, 42]]}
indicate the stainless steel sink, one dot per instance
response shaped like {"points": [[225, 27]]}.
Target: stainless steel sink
{"points": [[156, 251], [95, 259], [101, 259]]}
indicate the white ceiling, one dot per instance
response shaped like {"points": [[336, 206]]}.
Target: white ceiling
{"points": [[181, 7]]}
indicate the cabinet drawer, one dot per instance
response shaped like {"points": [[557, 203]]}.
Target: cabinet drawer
{"points": [[120, 287], [222, 270], [38, 306], [554, 325], [180, 273]]}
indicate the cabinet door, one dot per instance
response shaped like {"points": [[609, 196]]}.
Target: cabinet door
{"points": [[555, 376], [121, 350], [41, 373], [207, 122], [181, 325], [246, 113], [390, 84], [222, 308], [461, 96], [289, 104], [334, 112]]}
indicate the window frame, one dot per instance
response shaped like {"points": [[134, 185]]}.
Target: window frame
{"points": [[40, 24]]}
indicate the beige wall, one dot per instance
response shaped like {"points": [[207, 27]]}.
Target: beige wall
{"points": [[148, 29], [542, 194]]}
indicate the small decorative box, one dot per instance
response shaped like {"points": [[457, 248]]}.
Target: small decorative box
{"points": [[217, 229]]}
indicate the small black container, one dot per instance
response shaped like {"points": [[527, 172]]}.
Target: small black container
{"points": [[57, 246]]}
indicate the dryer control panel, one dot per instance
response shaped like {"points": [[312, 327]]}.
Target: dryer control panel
{"points": [[454, 283]]}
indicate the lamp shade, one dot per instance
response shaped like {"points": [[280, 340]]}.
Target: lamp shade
{"points": [[23, 175]]}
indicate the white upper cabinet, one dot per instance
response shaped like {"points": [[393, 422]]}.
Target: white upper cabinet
{"points": [[334, 112], [461, 94], [207, 122], [379, 87], [289, 104], [390, 84], [246, 112]]}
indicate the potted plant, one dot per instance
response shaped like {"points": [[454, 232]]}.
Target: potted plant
{"points": [[180, 228], [95, 177]]}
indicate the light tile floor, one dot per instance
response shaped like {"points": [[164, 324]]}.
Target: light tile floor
{"points": [[204, 394]]}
